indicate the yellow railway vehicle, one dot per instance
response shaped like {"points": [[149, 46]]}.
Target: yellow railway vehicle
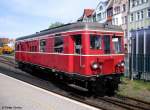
{"points": [[7, 49], [1, 49]]}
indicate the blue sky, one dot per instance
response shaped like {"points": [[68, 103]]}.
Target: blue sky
{"points": [[23, 17]]}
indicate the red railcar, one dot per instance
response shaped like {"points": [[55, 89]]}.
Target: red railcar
{"points": [[86, 54]]}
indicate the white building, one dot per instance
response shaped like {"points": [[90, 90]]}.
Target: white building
{"points": [[100, 13], [120, 16]]}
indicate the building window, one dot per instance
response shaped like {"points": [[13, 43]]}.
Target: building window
{"points": [[124, 7], [42, 45], [149, 12], [145, 1], [131, 17], [137, 16], [100, 8], [126, 19], [135, 2], [142, 14], [132, 4], [138, 2], [117, 10], [58, 44], [99, 16]]}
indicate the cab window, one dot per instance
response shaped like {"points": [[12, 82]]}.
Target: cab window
{"points": [[95, 42], [116, 44]]}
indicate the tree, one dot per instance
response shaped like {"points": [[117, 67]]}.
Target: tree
{"points": [[56, 24]]}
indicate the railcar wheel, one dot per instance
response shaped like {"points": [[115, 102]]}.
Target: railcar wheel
{"points": [[97, 88]]}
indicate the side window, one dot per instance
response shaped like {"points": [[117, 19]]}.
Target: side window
{"points": [[33, 49], [42, 45], [107, 44], [58, 44], [77, 44], [95, 42]]}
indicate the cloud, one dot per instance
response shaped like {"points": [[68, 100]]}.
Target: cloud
{"points": [[23, 17], [63, 9]]}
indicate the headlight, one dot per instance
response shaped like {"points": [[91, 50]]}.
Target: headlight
{"points": [[95, 65], [122, 63]]}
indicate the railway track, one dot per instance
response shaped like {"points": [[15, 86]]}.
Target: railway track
{"points": [[8, 62], [128, 103], [104, 103]]}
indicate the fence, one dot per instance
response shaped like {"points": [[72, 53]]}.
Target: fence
{"points": [[137, 66]]}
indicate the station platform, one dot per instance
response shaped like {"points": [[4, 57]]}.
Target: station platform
{"points": [[18, 95]]}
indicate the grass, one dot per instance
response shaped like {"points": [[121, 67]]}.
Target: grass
{"points": [[135, 88]]}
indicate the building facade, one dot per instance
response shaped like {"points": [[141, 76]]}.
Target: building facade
{"points": [[120, 16], [138, 33], [100, 13], [139, 15]]}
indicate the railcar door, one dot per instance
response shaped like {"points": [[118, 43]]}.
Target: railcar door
{"points": [[77, 53]]}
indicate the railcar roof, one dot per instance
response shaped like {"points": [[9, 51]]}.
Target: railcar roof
{"points": [[73, 27]]}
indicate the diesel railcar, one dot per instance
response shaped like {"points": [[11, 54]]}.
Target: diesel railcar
{"points": [[89, 55]]}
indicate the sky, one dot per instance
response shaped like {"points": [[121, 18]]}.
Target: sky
{"points": [[23, 17]]}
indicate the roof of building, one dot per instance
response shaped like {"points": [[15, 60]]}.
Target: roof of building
{"points": [[86, 13], [74, 27]]}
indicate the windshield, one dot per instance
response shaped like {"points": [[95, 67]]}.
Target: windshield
{"points": [[117, 44], [95, 42]]}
